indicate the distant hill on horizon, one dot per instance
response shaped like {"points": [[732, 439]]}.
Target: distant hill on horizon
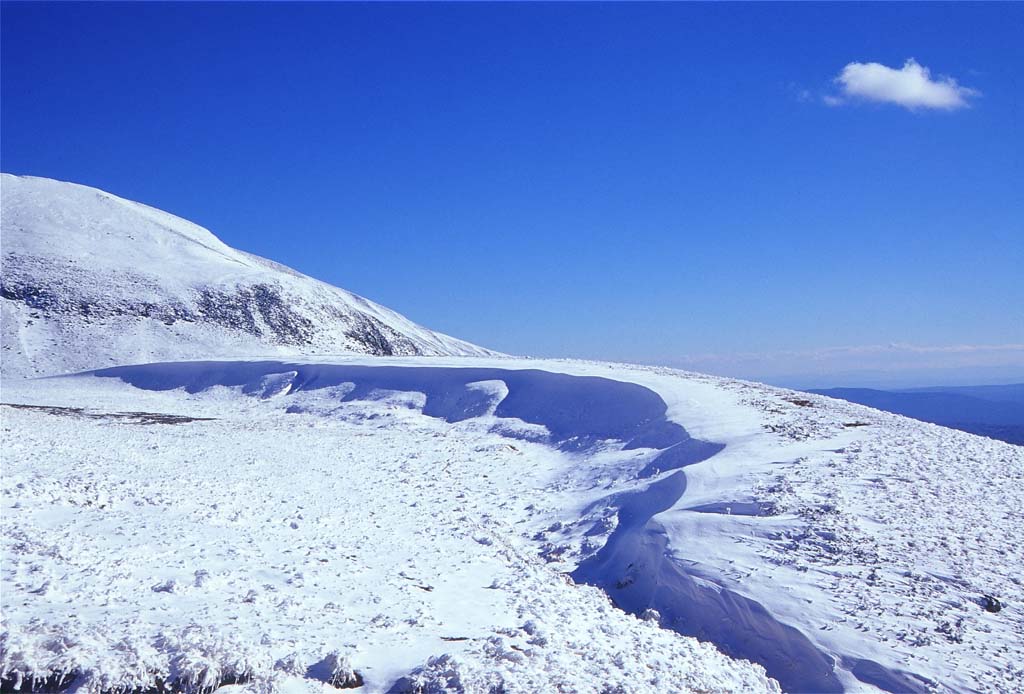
{"points": [[993, 411]]}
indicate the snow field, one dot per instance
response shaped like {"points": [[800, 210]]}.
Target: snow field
{"points": [[255, 545], [845, 548]]}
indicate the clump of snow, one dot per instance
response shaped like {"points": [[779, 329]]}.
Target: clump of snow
{"points": [[201, 661], [336, 670], [192, 659]]}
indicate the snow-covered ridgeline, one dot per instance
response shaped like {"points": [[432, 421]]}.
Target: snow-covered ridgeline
{"points": [[91, 280]]}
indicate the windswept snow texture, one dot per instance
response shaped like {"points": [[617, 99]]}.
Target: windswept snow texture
{"points": [[90, 280], [413, 519], [639, 574]]}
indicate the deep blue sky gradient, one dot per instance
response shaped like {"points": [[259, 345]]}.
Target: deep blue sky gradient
{"points": [[627, 181]]}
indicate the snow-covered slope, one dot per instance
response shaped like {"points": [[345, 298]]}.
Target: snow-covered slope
{"points": [[91, 280], [417, 521]]}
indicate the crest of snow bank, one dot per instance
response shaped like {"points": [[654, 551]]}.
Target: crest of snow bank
{"points": [[496, 390]]}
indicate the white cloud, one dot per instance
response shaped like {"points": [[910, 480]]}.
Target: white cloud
{"points": [[911, 86]]}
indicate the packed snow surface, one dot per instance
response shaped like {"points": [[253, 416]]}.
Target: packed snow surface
{"points": [[459, 525], [91, 280]]}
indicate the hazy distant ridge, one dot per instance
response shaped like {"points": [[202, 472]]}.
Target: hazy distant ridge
{"points": [[993, 411]]}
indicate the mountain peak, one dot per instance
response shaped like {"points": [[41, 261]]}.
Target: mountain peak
{"points": [[90, 279]]}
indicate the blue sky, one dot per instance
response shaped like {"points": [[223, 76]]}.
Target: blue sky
{"points": [[669, 183]]}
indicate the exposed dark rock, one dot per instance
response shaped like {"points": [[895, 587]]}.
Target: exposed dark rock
{"points": [[74, 680], [991, 604], [129, 417], [50, 683], [262, 310]]}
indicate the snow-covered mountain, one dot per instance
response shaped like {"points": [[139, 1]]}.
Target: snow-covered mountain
{"points": [[464, 523], [90, 280]]}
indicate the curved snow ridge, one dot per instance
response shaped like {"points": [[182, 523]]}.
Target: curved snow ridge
{"points": [[640, 571], [578, 412], [636, 566]]}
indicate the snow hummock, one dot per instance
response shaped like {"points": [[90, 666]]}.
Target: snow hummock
{"points": [[439, 524]]}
